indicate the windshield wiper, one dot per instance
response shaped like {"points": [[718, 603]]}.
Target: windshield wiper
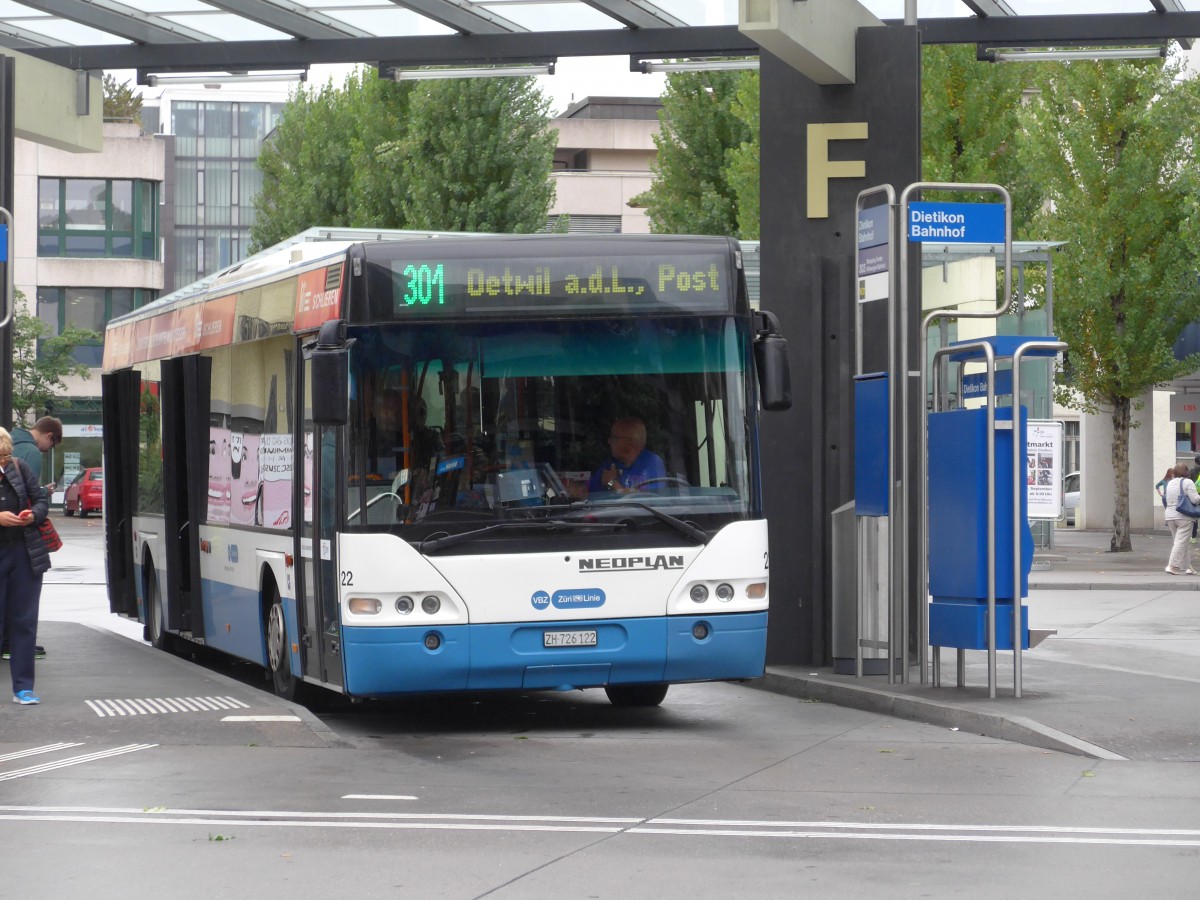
{"points": [[696, 534], [432, 545]]}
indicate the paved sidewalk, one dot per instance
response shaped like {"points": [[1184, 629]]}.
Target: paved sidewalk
{"points": [[1120, 679]]}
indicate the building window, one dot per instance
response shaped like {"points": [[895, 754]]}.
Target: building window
{"points": [[97, 217], [91, 308]]}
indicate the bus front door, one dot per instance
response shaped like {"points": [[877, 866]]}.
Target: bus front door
{"points": [[321, 625]]}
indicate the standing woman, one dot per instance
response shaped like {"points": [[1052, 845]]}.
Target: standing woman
{"points": [[1178, 524], [23, 561]]}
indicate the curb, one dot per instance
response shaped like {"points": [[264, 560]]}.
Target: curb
{"points": [[1017, 729], [1184, 585]]}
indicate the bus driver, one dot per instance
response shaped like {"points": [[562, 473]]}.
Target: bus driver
{"points": [[631, 464]]}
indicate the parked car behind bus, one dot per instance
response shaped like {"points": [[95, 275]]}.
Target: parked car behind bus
{"points": [[1070, 497], [85, 493]]}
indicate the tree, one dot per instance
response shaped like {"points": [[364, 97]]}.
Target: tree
{"points": [[703, 120], [40, 364], [121, 101], [741, 162], [447, 154], [477, 156], [1109, 145], [306, 163], [970, 128]]}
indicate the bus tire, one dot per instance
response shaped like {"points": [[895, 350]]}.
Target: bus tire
{"points": [[279, 657], [636, 694], [156, 615]]}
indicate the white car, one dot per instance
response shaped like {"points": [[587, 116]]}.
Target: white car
{"points": [[1070, 497]]}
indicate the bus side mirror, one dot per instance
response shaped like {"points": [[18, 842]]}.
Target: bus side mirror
{"points": [[771, 360], [330, 386]]}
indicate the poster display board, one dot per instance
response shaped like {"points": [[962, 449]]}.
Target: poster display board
{"points": [[1043, 469]]}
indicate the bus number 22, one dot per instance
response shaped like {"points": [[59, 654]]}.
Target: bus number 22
{"points": [[347, 579]]}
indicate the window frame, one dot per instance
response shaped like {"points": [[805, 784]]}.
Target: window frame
{"points": [[138, 238]]}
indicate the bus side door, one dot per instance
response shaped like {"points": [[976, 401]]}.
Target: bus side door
{"points": [[121, 393]]}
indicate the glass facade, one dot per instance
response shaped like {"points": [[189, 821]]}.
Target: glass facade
{"points": [[216, 181], [97, 217]]}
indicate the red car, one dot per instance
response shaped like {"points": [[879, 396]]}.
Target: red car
{"points": [[85, 493]]}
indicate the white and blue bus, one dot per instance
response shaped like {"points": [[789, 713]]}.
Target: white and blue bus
{"points": [[366, 465]]}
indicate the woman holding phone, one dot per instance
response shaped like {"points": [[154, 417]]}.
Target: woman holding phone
{"points": [[23, 561]]}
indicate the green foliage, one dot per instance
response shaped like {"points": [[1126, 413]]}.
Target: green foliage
{"points": [[455, 155], [1111, 158], [705, 116], [40, 364], [306, 163], [121, 101], [742, 160], [477, 156], [970, 128]]}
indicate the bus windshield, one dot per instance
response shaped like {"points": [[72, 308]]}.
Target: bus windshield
{"points": [[457, 429]]}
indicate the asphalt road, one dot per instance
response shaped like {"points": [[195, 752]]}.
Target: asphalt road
{"points": [[724, 791]]}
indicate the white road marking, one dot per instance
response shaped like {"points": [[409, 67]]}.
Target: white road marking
{"points": [[154, 705], [73, 761], [940, 832], [260, 718], [378, 797], [49, 748]]}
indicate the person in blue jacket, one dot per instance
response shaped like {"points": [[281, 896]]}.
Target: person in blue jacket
{"points": [[631, 464]]}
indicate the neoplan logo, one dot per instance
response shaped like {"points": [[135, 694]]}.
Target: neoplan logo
{"points": [[631, 563]]}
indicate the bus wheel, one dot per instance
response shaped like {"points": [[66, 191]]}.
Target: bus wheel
{"points": [[156, 620], [636, 694], [279, 656]]}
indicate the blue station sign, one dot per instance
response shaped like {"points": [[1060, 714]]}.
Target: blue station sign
{"points": [[956, 223]]}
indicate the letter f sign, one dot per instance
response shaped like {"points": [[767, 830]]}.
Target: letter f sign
{"points": [[821, 168]]}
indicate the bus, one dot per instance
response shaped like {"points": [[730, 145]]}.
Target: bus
{"points": [[367, 464]]}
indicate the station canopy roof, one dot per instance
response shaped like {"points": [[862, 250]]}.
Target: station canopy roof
{"points": [[257, 35]]}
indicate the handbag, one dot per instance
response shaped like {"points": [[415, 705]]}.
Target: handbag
{"points": [[49, 534], [1185, 504], [53, 542]]}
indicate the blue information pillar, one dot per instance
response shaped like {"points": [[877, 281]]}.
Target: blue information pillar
{"points": [[979, 569], [958, 533]]}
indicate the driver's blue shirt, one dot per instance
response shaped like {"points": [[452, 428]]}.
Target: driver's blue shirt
{"points": [[647, 466]]}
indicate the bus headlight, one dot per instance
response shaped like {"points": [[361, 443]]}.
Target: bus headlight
{"points": [[365, 606], [431, 604], [724, 592], [699, 593], [404, 605]]}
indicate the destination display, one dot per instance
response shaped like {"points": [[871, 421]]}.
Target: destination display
{"points": [[429, 287]]}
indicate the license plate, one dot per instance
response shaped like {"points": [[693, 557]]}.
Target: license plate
{"points": [[569, 639]]}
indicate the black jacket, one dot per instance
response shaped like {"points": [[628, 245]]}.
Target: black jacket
{"points": [[25, 483]]}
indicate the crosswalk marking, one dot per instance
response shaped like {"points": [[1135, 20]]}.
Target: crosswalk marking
{"points": [[147, 706], [73, 761], [48, 748]]}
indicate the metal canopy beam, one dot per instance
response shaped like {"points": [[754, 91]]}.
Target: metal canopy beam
{"points": [[1032, 31], [1115, 28], [462, 16], [991, 7], [15, 38], [709, 40], [123, 21], [288, 17], [636, 13]]}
